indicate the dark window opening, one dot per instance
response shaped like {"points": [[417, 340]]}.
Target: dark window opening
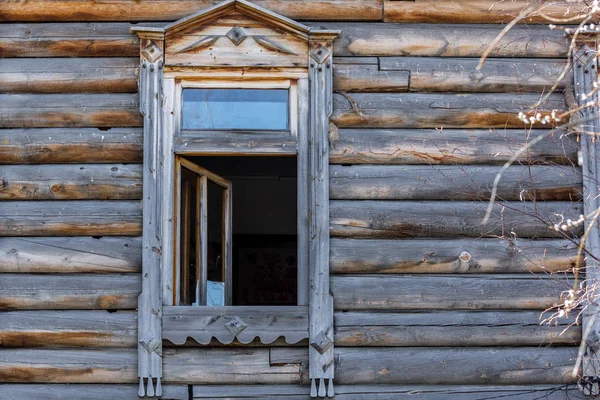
{"points": [[263, 232]]}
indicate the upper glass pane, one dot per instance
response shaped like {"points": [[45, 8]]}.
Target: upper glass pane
{"points": [[235, 109]]}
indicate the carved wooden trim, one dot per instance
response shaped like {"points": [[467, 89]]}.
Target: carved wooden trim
{"points": [[226, 324], [150, 301], [586, 74]]}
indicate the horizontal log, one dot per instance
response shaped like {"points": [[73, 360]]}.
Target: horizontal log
{"points": [[90, 329], [59, 145], [450, 146], [416, 110], [165, 10], [411, 219], [59, 391], [227, 365], [452, 292], [450, 329], [440, 40], [453, 182], [481, 11], [69, 292], [71, 218], [390, 392], [439, 74], [69, 75], [70, 255], [428, 256], [357, 39], [68, 40], [368, 78], [69, 110], [69, 366], [462, 366], [71, 182]]}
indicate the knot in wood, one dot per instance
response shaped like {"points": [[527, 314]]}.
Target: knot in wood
{"points": [[465, 256], [1, 183], [55, 188]]}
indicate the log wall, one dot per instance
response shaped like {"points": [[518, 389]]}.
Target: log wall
{"points": [[419, 284]]}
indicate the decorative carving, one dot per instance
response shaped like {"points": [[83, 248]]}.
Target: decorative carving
{"points": [[150, 343], [321, 342], [320, 54], [151, 52], [200, 44], [236, 326], [236, 35], [271, 45]]}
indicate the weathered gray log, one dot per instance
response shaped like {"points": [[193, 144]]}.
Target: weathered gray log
{"points": [[453, 292], [438, 74], [69, 110], [416, 110], [68, 40], [230, 144], [368, 78], [71, 182], [439, 40], [131, 10], [454, 183], [449, 219], [429, 256], [449, 146], [59, 145], [70, 255], [69, 292], [69, 75], [357, 39], [451, 329], [87, 329], [480, 11], [461, 366], [390, 392], [227, 365], [68, 366], [11, 391], [71, 218]]}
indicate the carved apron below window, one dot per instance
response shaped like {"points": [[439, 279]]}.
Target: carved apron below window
{"points": [[235, 248]]}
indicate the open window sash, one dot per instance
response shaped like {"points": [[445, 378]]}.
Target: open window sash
{"points": [[192, 215]]}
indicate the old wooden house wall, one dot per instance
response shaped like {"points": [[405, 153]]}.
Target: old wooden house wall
{"points": [[425, 295]]}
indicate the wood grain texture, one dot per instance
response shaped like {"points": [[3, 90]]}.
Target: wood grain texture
{"points": [[391, 392], [445, 40], [429, 256], [451, 292], [450, 329], [84, 391], [64, 145], [69, 292], [70, 255], [479, 11], [68, 110], [389, 182], [69, 75], [52, 329], [444, 74], [71, 182], [410, 219], [466, 366], [416, 110], [449, 146], [227, 365], [369, 78], [165, 10], [67, 39], [357, 39], [68, 366], [71, 218]]}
